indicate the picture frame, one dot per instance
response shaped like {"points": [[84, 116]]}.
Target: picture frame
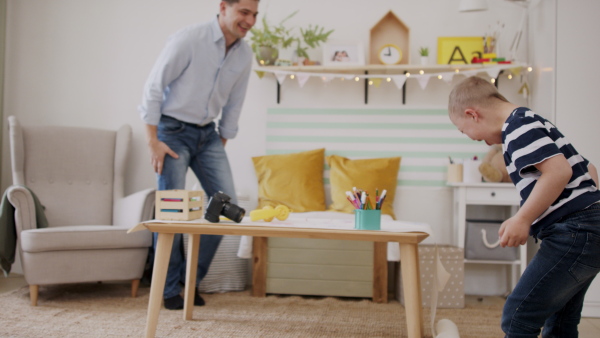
{"points": [[459, 50], [343, 54]]}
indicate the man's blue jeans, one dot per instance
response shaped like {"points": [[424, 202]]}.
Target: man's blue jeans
{"points": [[201, 149], [550, 293]]}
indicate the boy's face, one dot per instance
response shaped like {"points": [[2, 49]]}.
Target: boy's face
{"points": [[237, 19], [471, 124]]}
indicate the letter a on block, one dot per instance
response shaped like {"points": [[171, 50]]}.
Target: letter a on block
{"points": [[462, 56]]}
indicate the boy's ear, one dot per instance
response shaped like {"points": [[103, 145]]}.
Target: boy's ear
{"points": [[471, 113]]}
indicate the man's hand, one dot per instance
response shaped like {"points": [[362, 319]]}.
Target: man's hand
{"points": [[224, 140], [514, 232], [158, 151]]}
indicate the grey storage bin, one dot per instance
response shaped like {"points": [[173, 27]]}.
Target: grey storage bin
{"points": [[482, 242]]}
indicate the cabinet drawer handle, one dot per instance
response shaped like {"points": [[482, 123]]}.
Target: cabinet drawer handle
{"points": [[493, 194]]}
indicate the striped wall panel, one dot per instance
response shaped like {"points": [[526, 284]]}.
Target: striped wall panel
{"points": [[424, 138]]}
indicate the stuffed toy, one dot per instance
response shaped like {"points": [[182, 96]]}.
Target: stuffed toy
{"points": [[492, 167]]}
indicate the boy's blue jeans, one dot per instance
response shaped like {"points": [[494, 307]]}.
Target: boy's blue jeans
{"points": [[201, 149], [550, 293]]}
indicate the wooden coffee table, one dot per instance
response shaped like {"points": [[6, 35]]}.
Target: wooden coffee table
{"points": [[167, 229]]}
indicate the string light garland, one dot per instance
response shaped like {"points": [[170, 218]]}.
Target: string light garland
{"points": [[397, 74], [493, 70]]}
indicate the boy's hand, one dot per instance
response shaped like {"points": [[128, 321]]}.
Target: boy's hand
{"points": [[555, 174], [514, 232]]}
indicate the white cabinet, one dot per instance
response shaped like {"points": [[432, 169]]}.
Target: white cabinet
{"points": [[487, 194]]}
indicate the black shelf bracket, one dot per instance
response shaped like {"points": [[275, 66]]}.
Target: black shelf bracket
{"points": [[278, 91], [404, 90], [366, 87], [497, 78]]}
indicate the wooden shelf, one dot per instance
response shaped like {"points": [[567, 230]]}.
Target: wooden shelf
{"points": [[383, 69], [377, 70]]}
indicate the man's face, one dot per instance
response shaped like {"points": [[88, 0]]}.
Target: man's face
{"points": [[238, 18]]}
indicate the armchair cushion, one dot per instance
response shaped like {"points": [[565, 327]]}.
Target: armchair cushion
{"points": [[83, 237]]}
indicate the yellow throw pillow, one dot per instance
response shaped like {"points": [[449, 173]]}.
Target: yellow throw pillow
{"points": [[365, 174], [294, 180]]}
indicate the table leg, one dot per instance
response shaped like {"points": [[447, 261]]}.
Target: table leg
{"points": [[159, 276], [259, 266], [191, 270], [411, 286], [380, 272]]}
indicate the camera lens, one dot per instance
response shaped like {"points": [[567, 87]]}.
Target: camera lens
{"points": [[233, 212]]}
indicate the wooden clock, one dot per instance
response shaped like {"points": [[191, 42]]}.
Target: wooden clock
{"points": [[389, 31], [390, 54]]}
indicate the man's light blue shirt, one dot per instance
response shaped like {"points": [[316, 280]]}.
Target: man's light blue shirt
{"points": [[193, 79]]}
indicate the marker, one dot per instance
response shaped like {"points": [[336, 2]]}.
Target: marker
{"points": [[382, 197], [363, 200], [351, 198]]}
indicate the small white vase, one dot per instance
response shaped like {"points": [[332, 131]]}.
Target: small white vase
{"points": [[424, 60]]}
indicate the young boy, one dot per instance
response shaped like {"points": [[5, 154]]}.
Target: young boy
{"points": [[559, 206]]}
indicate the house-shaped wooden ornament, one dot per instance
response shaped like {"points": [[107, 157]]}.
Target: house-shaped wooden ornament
{"points": [[389, 30]]}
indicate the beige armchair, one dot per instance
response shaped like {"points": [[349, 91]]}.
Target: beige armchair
{"points": [[78, 175]]}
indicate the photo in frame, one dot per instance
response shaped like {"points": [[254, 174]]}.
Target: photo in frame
{"points": [[343, 54]]}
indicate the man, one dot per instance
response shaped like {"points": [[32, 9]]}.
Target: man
{"points": [[202, 72]]}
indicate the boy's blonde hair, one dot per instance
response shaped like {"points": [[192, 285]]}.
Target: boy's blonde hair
{"points": [[472, 92]]}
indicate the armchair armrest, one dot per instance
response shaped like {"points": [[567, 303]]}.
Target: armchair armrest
{"points": [[132, 209], [22, 200]]}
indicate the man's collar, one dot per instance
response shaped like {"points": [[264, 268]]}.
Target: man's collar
{"points": [[218, 32], [216, 29]]}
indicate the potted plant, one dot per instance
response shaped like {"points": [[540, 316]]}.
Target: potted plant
{"points": [[424, 52], [267, 40], [310, 37]]}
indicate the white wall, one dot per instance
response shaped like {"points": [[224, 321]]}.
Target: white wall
{"points": [[84, 63], [542, 55], [576, 93]]}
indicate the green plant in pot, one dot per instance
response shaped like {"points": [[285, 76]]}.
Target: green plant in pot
{"points": [[424, 52], [267, 40], [310, 37]]}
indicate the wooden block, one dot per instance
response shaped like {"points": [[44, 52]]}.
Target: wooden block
{"points": [[179, 205]]}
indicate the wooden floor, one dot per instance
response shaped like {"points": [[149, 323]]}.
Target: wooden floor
{"points": [[589, 327]]}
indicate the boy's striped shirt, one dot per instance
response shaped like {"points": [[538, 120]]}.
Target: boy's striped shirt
{"points": [[529, 139]]}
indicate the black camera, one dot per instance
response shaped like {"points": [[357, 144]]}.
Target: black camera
{"points": [[219, 205]]}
